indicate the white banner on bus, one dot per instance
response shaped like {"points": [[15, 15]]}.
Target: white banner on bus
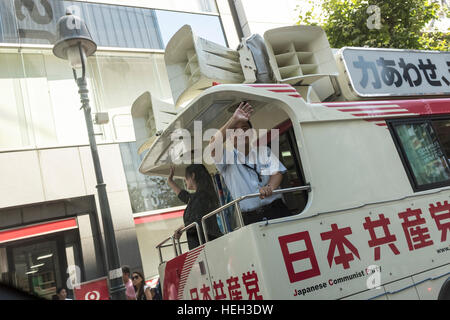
{"points": [[394, 72]]}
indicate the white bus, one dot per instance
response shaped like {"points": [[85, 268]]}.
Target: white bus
{"points": [[367, 183]]}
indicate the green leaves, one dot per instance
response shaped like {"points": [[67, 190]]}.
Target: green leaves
{"points": [[348, 23]]}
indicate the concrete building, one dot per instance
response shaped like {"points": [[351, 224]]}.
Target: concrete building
{"points": [[49, 216]]}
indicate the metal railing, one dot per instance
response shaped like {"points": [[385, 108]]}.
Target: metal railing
{"points": [[238, 208], [235, 203], [177, 250]]}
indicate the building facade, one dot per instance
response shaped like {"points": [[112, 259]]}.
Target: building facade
{"points": [[51, 232]]}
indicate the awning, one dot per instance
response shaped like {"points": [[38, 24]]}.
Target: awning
{"points": [[37, 230]]}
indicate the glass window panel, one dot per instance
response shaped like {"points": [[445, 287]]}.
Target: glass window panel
{"points": [[423, 153], [37, 276], [207, 6], [108, 17], [14, 125], [34, 22], [153, 29], [204, 26], [8, 24], [146, 193], [98, 26], [118, 25], [120, 80], [69, 120], [38, 99], [443, 131], [121, 26], [40, 105], [142, 32], [135, 35]]}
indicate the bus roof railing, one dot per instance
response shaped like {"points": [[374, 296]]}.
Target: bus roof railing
{"points": [[238, 208], [173, 238]]}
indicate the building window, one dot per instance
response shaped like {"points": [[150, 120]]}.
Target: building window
{"points": [[204, 26], [34, 22], [14, 129], [40, 105], [146, 192], [119, 79], [40, 102], [424, 147]]}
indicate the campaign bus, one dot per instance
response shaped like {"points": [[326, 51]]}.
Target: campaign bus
{"points": [[364, 134]]}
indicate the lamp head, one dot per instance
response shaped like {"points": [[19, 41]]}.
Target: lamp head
{"points": [[71, 34]]}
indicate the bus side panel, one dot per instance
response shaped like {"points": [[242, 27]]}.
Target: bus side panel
{"points": [[336, 255], [195, 281], [364, 253], [423, 286], [401, 290], [369, 294], [429, 284], [187, 270], [235, 270]]}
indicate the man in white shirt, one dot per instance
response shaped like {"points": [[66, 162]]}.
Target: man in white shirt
{"points": [[248, 170]]}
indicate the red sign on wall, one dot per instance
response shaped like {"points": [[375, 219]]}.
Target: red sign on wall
{"points": [[93, 290]]}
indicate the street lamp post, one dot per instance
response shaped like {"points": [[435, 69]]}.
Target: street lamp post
{"points": [[74, 43]]}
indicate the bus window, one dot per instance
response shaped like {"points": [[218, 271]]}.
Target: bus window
{"points": [[289, 157], [442, 128], [424, 149]]}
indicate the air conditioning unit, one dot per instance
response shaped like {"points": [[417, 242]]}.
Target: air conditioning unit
{"points": [[150, 117], [193, 64]]}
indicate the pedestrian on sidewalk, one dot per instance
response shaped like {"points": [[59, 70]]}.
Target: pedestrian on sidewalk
{"points": [[143, 292], [62, 294], [130, 293]]}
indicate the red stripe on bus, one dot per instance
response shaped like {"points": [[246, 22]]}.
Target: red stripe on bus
{"points": [[282, 90], [417, 106], [270, 85], [369, 109], [379, 114]]}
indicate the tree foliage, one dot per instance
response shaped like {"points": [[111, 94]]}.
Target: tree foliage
{"points": [[401, 23]]}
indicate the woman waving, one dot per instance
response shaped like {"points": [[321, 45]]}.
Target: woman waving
{"points": [[200, 203]]}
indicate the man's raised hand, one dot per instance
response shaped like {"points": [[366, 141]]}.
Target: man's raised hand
{"points": [[243, 112]]}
